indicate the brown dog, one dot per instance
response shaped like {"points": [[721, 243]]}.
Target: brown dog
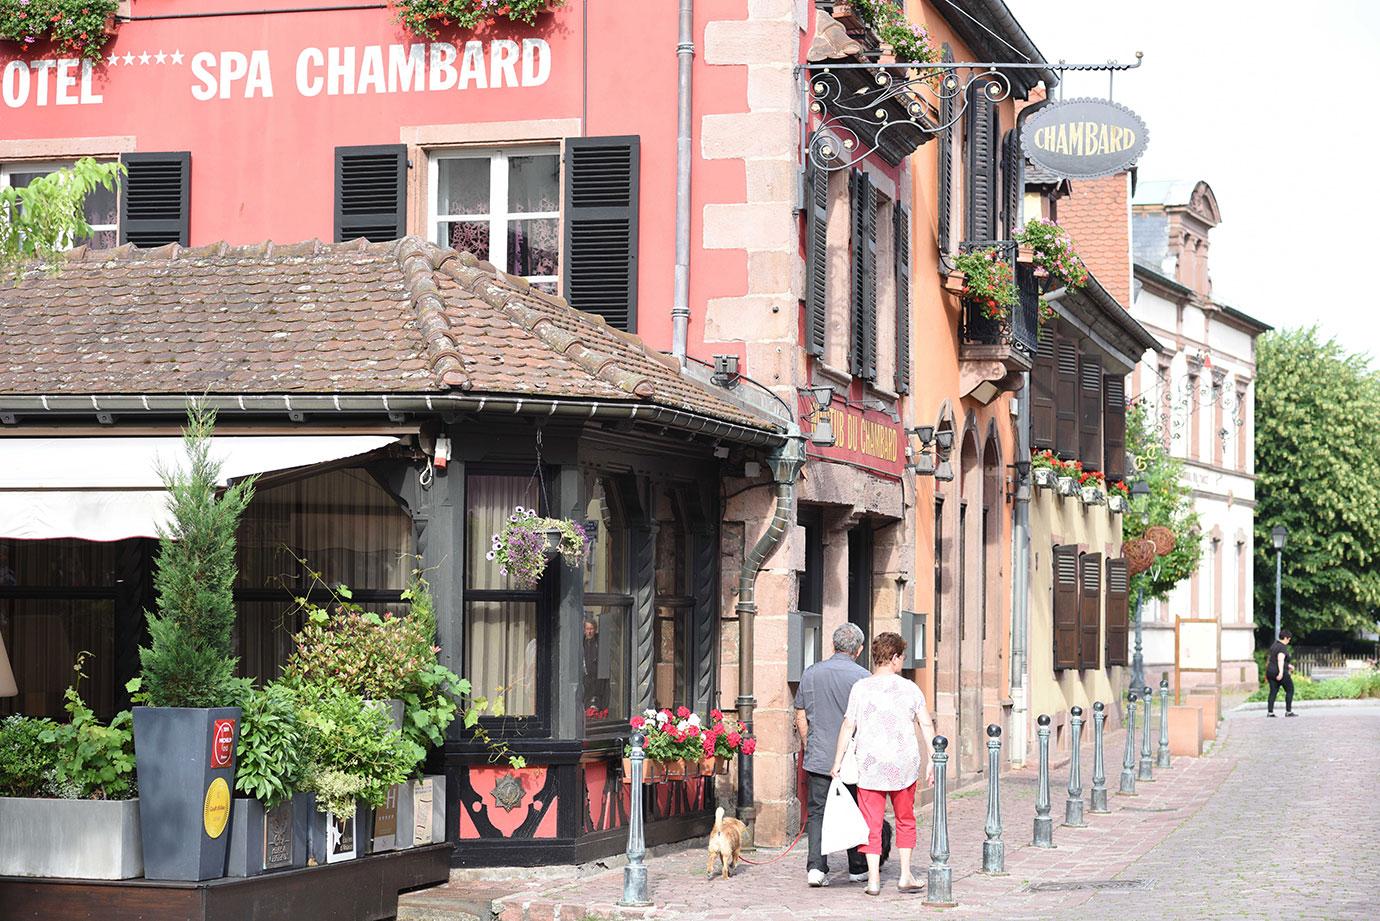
{"points": [[725, 841]]}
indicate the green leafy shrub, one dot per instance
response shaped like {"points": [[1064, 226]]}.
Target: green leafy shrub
{"points": [[911, 43], [189, 661], [351, 750], [269, 757], [1352, 687], [92, 761], [26, 761]]}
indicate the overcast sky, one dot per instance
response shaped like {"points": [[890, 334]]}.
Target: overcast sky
{"points": [[1269, 102]]}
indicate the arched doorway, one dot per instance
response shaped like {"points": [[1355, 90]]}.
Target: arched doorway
{"points": [[971, 591], [995, 594]]}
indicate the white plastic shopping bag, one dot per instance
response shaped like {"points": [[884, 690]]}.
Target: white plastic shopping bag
{"points": [[844, 825]]}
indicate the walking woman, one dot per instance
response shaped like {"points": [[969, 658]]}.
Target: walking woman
{"points": [[890, 727], [1280, 675]]}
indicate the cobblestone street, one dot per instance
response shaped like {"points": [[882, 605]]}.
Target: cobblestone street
{"points": [[1205, 840]]}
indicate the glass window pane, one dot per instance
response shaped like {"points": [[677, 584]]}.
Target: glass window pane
{"points": [[606, 670], [43, 638], [467, 237], [491, 499], [607, 546], [534, 246], [101, 206], [20, 180], [671, 551], [462, 185], [501, 653], [671, 644], [534, 184], [66, 563]]}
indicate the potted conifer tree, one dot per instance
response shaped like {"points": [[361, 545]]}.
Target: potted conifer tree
{"points": [[187, 726]]}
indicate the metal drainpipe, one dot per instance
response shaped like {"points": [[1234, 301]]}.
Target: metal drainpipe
{"points": [[786, 462], [685, 55]]}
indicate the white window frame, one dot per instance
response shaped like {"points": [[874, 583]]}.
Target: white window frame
{"points": [[498, 216], [50, 166]]}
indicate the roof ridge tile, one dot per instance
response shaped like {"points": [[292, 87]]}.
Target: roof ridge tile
{"points": [[419, 260]]}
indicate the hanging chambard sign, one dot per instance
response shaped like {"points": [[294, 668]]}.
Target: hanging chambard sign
{"points": [[1084, 138]]}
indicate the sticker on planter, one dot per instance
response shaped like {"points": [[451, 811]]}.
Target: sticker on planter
{"points": [[223, 743], [215, 810], [278, 837]]}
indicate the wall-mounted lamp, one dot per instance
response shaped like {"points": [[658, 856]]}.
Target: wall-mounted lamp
{"points": [[822, 432], [725, 371], [933, 458]]}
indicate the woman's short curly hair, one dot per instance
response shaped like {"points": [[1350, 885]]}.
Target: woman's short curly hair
{"points": [[886, 645]]}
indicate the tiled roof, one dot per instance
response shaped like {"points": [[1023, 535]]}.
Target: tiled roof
{"points": [[316, 318]]}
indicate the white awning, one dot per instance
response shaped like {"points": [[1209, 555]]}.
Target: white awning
{"points": [[109, 488]]}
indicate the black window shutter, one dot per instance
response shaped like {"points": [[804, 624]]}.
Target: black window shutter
{"points": [[1118, 623], [1065, 606], [1090, 410], [982, 131], [816, 258], [1013, 182], [155, 198], [863, 243], [1065, 397], [371, 192], [902, 251], [1090, 611], [947, 113], [1114, 427], [1042, 388], [601, 204]]}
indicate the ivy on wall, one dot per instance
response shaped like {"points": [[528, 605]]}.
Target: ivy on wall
{"points": [[72, 27]]}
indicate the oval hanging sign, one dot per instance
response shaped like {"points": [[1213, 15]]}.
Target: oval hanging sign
{"points": [[1084, 138]]}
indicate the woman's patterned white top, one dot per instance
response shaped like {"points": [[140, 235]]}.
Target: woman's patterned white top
{"points": [[884, 708]]}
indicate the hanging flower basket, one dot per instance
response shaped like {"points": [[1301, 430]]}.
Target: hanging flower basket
{"points": [[1067, 485], [1162, 538], [528, 541], [1116, 503], [1091, 495], [1139, 554]]}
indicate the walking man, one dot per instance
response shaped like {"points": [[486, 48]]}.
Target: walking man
{"points": [[820, 702], [1277, 673]]}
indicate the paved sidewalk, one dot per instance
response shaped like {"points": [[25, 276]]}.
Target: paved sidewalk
{"points": [[1099, 852]]}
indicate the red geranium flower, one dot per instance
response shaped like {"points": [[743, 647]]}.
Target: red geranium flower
{"points": [[637, 722], [749, 746], [682, 712]]}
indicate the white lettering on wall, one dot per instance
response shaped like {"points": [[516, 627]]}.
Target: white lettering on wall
{"points": [[342, 70]]}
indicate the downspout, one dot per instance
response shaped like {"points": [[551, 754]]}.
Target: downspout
{"points": [[685, 55], [786, 463]]}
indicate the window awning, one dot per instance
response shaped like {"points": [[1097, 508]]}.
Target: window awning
{"points": [[109, 488]]}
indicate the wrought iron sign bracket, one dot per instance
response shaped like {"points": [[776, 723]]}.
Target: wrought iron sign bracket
{"points": [[847, 117]]}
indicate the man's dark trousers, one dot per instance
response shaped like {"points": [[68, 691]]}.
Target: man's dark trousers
{"points": [[819, 796], [1287, 682]]}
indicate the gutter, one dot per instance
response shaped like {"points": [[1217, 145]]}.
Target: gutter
{"points": [[786, 463], [14, 407], [685, 58]]}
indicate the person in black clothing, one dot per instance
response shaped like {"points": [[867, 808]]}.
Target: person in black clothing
{"points": [[1277, 673]]}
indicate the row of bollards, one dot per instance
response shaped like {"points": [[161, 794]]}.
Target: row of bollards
{"points": [[939, 891]]}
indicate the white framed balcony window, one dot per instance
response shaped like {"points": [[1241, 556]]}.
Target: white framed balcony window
{"points": [[502, 205], [102, 206]]}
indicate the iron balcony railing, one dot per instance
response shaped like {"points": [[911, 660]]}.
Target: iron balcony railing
{"points": [[1021, 328]]}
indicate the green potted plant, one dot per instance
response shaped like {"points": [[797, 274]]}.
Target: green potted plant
{"points": [[528, 540], [988, 292], [186, 729], [428, 17], [1068, 477], [269, 822], [67, 795], [1056, 262], [1045, 469], [1091, 484], [1118, 496]]}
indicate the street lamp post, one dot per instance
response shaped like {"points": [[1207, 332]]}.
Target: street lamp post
{"points": [[1140, 490], [1278, 535]]}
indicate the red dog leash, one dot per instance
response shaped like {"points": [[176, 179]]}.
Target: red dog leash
{"points": [[764, 863]]}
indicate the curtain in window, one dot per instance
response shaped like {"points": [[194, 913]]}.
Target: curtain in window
{"points": [[673, 604]]}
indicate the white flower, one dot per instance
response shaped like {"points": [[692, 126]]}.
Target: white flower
{"points": [[682, 725], [489, 555], [694, 719], [662, 718], [502, 571], [649, 713]]}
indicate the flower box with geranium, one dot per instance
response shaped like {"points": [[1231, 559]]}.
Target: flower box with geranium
{"points": [[428, 17], [1091, 484], [528, 540], [70, 27], [1056, 262], [910, 43], [1118, 496], [1069, 476], [725, 739], [1045, 468], [988, 293]]}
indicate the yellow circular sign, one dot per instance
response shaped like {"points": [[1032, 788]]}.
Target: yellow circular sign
{"points": [[215, 811]]}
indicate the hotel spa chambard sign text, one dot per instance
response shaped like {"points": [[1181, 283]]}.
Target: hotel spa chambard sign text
{"points": [[342, 70]]}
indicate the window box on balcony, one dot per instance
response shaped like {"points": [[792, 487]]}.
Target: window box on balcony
{"points": [[1045, 478], [1067, 486], [1116, 503], [1091, 495]]}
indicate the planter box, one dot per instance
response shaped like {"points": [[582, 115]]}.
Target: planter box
{"points": [[391, 825], [1207, 701], [1045, 478], [263, 841], [1091, 495], [335, 840], [73, 838], [1067, 485], [1116, 503], [185, 757], [956, 283]]}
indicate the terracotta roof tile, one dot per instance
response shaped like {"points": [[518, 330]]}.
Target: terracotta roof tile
{"points": [[311, 317]]}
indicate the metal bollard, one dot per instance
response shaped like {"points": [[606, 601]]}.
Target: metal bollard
{"points": [[1044, 825], [993, 850], [1163, 760], [940, 890], [1128, 765], [1146, 696], [1073, 807], [635, 873], [1099, 787]]}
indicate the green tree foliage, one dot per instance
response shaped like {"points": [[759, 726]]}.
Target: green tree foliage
{"points": [[1170, 503], [40, 220], [1317, 449], [189, 661]]}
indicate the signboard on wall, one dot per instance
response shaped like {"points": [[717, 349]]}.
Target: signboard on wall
{"points": [[1084, 138], [862, 437]]}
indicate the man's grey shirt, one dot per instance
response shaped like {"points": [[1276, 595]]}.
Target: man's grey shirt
{"points": [[823, 695]]}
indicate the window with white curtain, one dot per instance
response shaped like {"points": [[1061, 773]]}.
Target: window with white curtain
{"points": [[607, 664], [101, 208]]}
